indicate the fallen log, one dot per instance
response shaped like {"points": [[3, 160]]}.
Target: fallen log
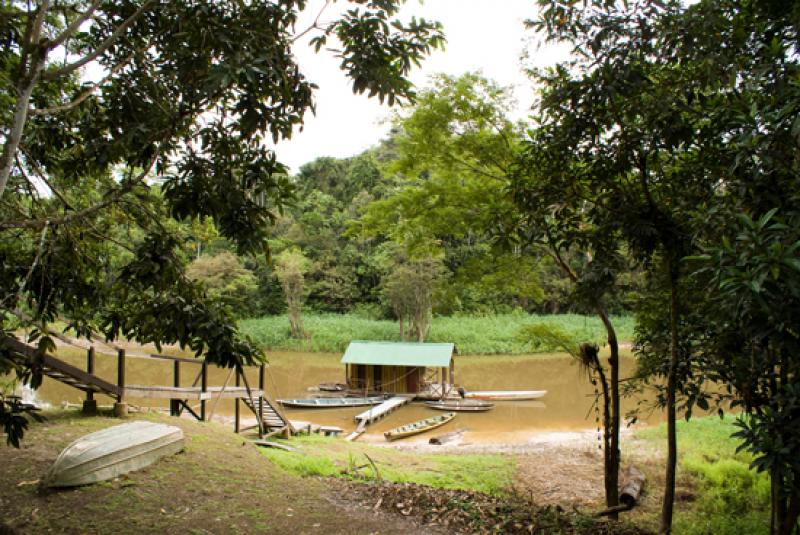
{"points": [[632, 484], [629, 491], [270, 444]]}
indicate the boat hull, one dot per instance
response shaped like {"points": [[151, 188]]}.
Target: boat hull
{"points": [[330, 403], [112, 452], [469, 405], [418, 427], [507, 395]]}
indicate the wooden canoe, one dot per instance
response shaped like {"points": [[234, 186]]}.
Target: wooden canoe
{"points": [[112, 452], [419, 426], [460, 405], [506, 395], [332, 387], [330, 403]]}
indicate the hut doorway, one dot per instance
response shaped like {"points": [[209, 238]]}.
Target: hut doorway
{"points": [[377, 383], [361, 370], [412, 380]]}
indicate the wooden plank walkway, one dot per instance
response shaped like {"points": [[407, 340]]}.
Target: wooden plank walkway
{"points": [[377, 412]]}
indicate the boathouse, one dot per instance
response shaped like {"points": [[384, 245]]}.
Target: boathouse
{"points": [[424, 369]]}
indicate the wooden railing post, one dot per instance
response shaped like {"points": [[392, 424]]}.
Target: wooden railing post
{"points": [[236, 403], [203, 390], [90, 404], [174, 404], [120, 407]]}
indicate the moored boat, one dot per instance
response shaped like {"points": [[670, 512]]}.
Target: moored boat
{"points": [[332, 387], [460, 405], [506, 395], [419, 426], [330, 403], [112, 452]]}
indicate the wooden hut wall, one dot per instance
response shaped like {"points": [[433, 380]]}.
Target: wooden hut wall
{"points": [[393, 378]]}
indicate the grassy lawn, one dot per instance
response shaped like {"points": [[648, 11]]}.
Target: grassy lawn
{"points": [[717, 493], [322, 456], [487, 335]]}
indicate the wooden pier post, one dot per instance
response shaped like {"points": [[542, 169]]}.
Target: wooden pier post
{"points": [[236, 425], [203, 389], [174, 404], [452, 374], [90, 404], [261, 377], [120, 407]]}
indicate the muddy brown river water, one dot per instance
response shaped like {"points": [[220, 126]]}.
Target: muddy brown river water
{"points": [[568, 405]]}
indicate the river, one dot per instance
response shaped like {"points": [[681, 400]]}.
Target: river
{"points": [[568, 405]]}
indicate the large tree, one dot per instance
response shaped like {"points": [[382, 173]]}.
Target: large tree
{"points": [[453, 151], [679, 119], [100, 99]]}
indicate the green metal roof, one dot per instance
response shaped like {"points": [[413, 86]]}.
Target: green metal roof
{"points": [[399, 354]]}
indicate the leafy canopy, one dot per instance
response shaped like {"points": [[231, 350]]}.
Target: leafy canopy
{"points": [[95, 176]]}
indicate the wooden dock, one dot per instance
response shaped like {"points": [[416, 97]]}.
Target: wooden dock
{"points": [[270, 417], [377, 412]]}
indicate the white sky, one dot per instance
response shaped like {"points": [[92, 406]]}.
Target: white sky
{"points": [[484, 35]]}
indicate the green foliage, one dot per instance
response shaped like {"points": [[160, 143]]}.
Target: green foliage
{"points": [[226, 279], [290, 269], [484, 335], [731, 498], [99, 182]]}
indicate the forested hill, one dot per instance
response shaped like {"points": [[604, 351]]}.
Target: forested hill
{"points": [[412, 218]]}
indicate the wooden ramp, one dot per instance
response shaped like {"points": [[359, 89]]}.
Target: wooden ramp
{"points": [[60, 370], [377, 412]]}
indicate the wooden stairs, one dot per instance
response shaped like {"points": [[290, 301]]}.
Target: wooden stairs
{"points": [[270, 414]]}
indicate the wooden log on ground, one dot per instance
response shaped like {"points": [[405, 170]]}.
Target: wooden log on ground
{"points": [[270, 444], [632, 484], [629, 491], [441, 440]]}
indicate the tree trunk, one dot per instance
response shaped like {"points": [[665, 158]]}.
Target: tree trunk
{"points": [[24, 91], [788, 523], [612, 417], [672, 442]]}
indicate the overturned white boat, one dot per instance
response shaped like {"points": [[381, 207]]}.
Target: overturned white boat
{"points": [[112, 452]]}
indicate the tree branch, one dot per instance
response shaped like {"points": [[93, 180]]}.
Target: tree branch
{"points": [[73, 27], [111, 198], [314, 25], [43, 178], [105, 45], [24, 282], [85, 94], [24, 88]]}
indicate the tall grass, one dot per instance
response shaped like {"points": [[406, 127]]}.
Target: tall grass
{"points": [[484, 335], [731, 499]]}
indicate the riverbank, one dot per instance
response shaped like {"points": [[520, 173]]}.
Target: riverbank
{"points": [[717, 493], [221, 484], [484, 335]]}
